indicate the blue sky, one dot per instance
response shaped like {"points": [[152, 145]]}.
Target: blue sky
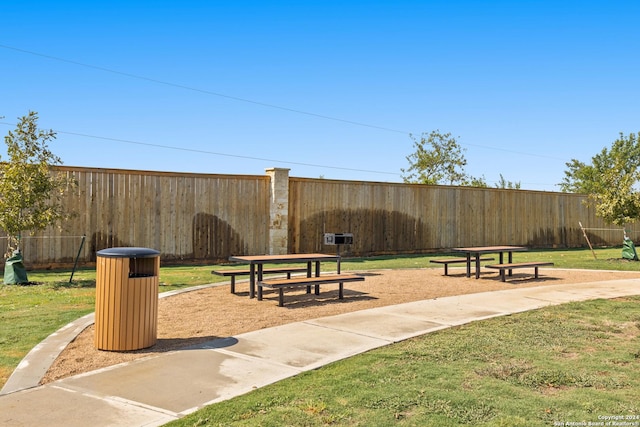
{"points": [[328, 89]]}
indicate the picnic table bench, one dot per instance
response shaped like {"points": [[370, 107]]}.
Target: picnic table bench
{"points": [[293, 282], [512, 266], [447, 261], [246, 272]]}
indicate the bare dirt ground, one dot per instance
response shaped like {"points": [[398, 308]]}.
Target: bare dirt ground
{"points": [[198, 316]]}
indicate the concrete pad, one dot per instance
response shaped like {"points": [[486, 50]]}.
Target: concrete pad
{"points": [[55, 406], [527, 298], [449, 311], [587, 291], [608, 289], [383, 326], [508, 301], [557, 296], [180, 382], [302, 345]]}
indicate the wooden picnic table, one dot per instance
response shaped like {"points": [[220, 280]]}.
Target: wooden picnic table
{"points": [[478, 251], [260, 260]]}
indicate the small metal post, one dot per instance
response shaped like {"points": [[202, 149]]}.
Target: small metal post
{"points": [[77, 257]]}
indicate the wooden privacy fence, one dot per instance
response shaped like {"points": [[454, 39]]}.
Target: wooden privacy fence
{"points": [[388, 218], [187, 217], [195, 218]]}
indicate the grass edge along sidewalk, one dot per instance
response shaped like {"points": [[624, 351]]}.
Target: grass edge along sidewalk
{"points": [[571, 364]]}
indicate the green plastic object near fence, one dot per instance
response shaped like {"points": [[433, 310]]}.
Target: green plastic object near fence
{"points": [[629, 250], [14, 271]]}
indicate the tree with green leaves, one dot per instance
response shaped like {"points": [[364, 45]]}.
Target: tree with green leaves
{"points": [[30, 192], [610, 181], [438, 159], [503, 183]]}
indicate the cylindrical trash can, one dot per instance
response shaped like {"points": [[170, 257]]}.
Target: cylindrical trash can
{"points": [[126, 298]]}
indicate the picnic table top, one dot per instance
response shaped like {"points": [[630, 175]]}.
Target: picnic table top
{"points": [[491, 249], [257, 259]]}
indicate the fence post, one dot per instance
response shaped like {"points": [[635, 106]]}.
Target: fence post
{"points": [[279, 211]]}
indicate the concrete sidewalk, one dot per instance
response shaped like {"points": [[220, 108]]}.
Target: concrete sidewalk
{"points": [[165, 387]]}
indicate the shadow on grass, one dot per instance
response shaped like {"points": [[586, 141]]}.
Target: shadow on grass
{"points": [[76, 284]]}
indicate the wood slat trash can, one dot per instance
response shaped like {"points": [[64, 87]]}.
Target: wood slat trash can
{"points": [[126, 298]]}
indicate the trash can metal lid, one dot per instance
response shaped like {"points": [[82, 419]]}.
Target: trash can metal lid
{"points": [[128, 253]]}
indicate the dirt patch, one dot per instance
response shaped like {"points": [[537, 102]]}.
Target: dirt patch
{"points": [[198, 316]]}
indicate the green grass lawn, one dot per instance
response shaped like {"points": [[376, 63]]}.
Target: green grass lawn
{"points": [[462, 385]]}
